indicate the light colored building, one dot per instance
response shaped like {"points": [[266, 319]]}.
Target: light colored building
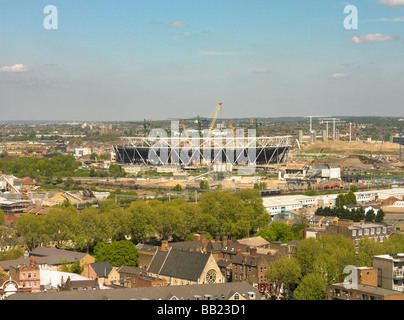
{"points": [[390, 271], [281, 204], [81, 152]]}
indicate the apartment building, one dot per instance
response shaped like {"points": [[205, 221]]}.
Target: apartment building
{"points": [[390, 271]]}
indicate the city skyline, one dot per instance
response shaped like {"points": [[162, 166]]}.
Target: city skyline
{"points": [[134, 60]]}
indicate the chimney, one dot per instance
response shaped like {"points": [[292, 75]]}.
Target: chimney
{"points": [[305, 233], [196, 237], [217, 237], [164, 245], [203, 235], [244, 258], [238, 251], [224, 242]]}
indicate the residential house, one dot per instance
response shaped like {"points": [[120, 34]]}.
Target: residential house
{"points": [[79, 285], [9, 287], [49, 259], [27, 275], [251, 267], [315, 221], [256, 242], [102, 271], [141, 281], [394, 213], [126, 273], [145, 254], [284, 249], [398, 227], [373, 231]]}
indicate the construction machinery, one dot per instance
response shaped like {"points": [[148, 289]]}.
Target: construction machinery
{"points": [[232, 128], [214, 119], [184, 128]]}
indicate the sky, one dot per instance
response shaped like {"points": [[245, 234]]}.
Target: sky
{"points": [[129, 60]]}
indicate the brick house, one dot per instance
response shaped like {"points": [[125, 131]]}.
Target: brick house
{"points": [[79, 285], [100, 271], [251, 267], [27, 276], [9, 287]]}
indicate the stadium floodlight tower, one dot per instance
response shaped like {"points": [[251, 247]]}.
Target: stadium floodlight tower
{"points": [[311, 120]]}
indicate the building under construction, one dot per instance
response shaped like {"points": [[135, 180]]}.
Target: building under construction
{"points": [[143, 151], [203, 147]]}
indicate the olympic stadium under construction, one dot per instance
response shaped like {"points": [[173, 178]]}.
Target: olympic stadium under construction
{"points": [[200, 151]]}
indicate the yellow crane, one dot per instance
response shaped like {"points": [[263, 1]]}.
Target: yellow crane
{"points": [[232, 128], [214, 119], [184, 128]]}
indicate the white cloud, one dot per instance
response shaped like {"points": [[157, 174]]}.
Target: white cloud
{"points": [[178, 24], [339, 76], [392, 3], [16, 68], [219, 53], [373, 37]]}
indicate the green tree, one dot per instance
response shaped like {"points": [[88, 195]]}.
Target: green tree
{"points": [[379, 216], [287, 271], [311, 287], [30, 227], [370, 216], [143, 220], [2, 217], [118, 253], [281, 231], [354, 188], [204, 185], [76, 268]]}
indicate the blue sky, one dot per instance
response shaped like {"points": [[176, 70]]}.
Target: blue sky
{"points": [[160, 59]]}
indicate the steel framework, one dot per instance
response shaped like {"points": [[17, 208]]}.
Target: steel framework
{"points": [[203, 151]]}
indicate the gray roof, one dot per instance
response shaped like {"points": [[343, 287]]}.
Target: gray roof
{"points": [[102, 269], [221, 291], [187, 245], [146, 247], [179, 264], [131, 270], [50, 260], [43, 252]]}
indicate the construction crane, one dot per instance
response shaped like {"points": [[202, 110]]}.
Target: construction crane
{"points": [[232, 128], [214, 119], [184, 128]]}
